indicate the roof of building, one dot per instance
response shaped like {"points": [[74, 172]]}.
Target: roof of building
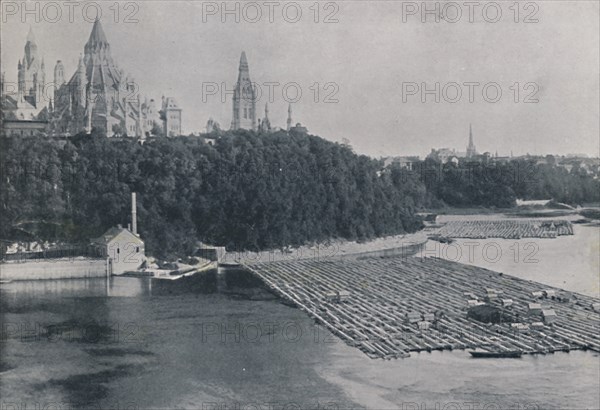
{"points": [[112, 233], [97, 35]]}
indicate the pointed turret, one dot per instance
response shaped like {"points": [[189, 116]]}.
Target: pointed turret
{"points": [[470, 134], [30, 36], [30, 49], [82, 82], [265, 124], [80, 66], [243, 61]]}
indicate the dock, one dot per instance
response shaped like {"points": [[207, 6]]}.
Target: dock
{"points": [[391, 307]]}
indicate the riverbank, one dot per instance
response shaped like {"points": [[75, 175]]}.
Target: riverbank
{"points": [[61, 268], [396, 245]]}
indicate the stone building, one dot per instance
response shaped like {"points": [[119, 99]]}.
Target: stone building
{"points": [[26, 101], [123, 248], [244, 99], [170, 114], [98, 95]]}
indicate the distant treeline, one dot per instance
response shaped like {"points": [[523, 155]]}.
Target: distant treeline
{"points": [[248, 191], [487, 183]]}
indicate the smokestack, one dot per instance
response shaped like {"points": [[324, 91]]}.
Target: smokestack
{"points": [[133, 214]]}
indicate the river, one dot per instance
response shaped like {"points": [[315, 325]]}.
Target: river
{"points": [[118, 343]]}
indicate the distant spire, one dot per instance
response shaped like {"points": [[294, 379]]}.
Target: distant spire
{"points": [[243, 61], [470, 134], [471, 150], [30, 36], [289, 119]]}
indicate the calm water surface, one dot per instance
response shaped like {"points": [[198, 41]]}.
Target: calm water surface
{"points": [[120, 343]]}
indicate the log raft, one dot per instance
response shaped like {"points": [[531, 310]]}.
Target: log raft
{"points": [[394, 306]]}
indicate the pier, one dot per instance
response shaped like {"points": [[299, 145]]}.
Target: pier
{"points": [[390, 307]]}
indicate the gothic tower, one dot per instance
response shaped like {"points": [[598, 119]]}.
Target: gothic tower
{"points": [[471, 150], [265, 124], [244, 99], [59, 77], [31, 74]]}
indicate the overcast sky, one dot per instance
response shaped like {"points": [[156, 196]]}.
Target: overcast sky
{"points": [[370, 55]]}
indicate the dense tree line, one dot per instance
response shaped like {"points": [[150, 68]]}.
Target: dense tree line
{"points": [[248, 191], [487, 183]]}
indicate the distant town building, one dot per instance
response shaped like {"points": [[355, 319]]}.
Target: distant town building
{"points": [[171, 116], [407, 162], [445, 155], [244, 99], [299, 129]]}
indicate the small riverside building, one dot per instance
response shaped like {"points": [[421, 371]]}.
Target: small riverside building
{"points": [[123, 248]]}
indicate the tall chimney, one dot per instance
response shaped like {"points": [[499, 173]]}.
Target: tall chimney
{"points": [[133, 214]]}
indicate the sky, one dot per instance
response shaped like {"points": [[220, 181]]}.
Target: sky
{"points": [[368, 71]]}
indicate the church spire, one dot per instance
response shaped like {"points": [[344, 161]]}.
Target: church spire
{"points": [[471, 150]]}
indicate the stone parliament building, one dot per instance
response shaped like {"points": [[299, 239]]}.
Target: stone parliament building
{"points": [[98, 95]]}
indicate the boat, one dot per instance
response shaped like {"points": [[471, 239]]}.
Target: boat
{"points": [[512, 354]]}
